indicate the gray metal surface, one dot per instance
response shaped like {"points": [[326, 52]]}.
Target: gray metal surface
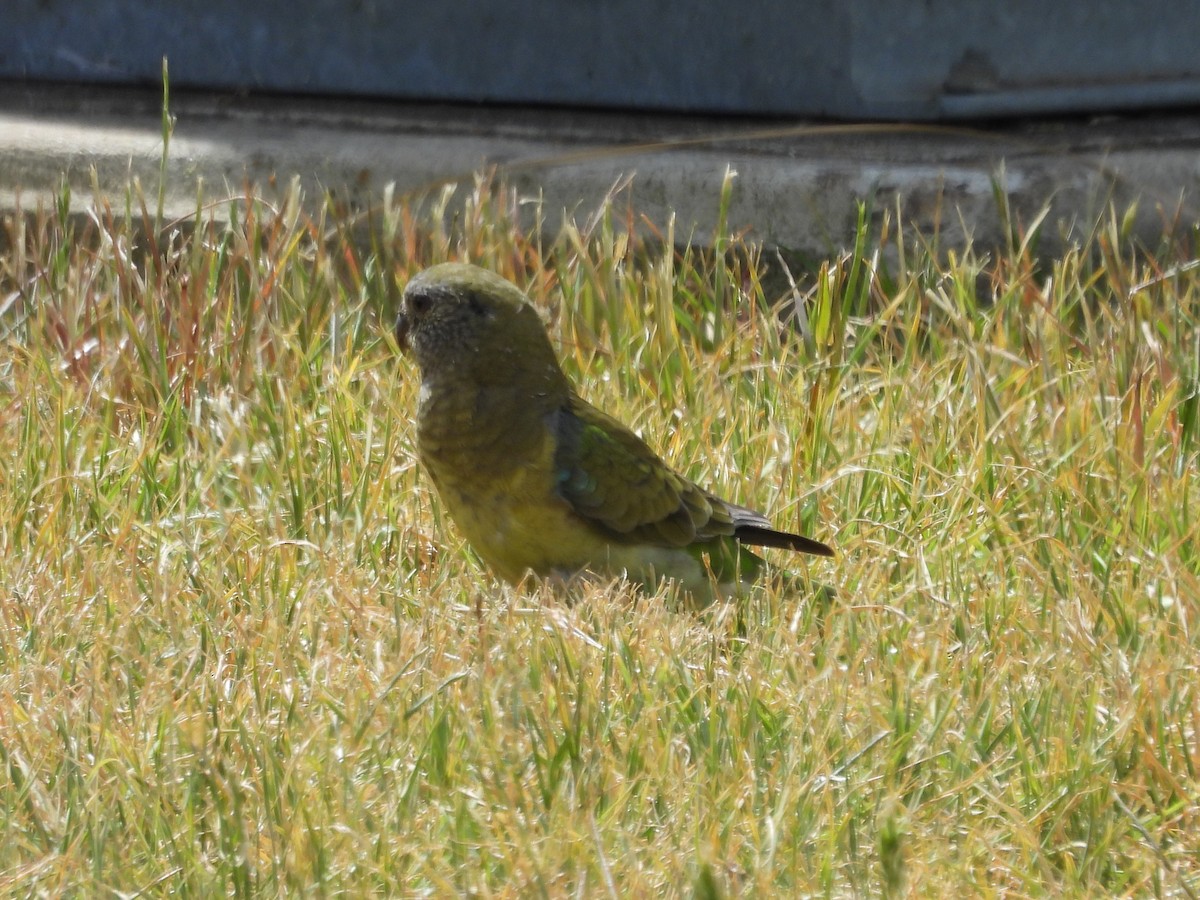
{"points": [[926, 60]]}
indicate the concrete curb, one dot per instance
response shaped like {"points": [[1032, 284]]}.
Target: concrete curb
{"points": [[797, 185]]}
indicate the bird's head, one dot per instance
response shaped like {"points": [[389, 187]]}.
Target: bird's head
{"points": [[458, 317]]}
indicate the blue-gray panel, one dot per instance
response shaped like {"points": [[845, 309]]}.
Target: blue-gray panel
{"points": [[948, 57], [927, 59]]}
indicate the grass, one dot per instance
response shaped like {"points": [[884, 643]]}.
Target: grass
{"points": [[243, 652]]}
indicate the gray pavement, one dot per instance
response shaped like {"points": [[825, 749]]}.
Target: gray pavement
{"points": [[796, 184]]}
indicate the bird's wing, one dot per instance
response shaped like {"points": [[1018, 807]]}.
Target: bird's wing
{"points": [[611, 478]]}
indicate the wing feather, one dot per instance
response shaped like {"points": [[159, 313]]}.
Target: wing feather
{"points": [[612, 479]]}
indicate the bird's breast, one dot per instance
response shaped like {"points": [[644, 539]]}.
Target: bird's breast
{"points": [[485, 431]]}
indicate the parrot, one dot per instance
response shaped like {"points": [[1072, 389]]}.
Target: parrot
{"points": [[540, 481]]}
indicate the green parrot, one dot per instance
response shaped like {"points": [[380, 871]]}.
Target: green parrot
{"points": [[537, 478]]}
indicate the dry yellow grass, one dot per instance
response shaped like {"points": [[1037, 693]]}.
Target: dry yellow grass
{"points": [[242, 653]]}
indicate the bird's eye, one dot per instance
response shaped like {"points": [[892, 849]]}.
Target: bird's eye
{"points": [[418, 304]]}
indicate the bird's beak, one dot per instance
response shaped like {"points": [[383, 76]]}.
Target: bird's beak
{"points": [[402, 325]]}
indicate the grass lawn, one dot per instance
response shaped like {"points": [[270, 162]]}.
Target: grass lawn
{"points": [[242, 650]]}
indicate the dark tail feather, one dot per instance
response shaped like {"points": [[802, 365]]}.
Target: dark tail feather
{"points": [[758, 536]]}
